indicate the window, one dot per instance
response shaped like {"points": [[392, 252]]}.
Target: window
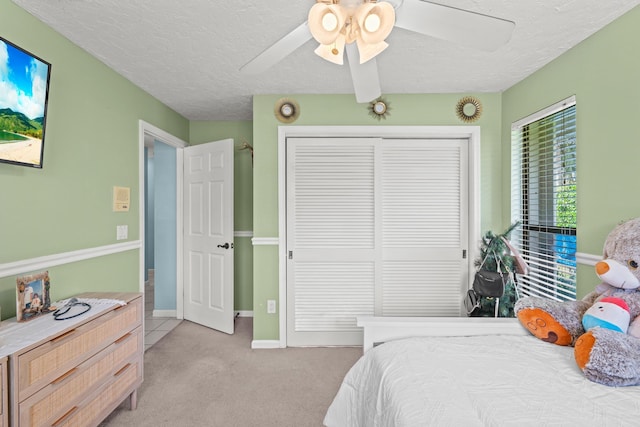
{"points": [[543, 188]]}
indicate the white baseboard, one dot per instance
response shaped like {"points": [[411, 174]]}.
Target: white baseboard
{"points": [[244, 313], [265, 344], [165, 313]]}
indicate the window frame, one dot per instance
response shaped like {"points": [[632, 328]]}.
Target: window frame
{"points": [[547, 275]]}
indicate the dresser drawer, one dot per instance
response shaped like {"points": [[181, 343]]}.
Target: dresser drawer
{"points": [[55, 399], [51, 360], [97, 406]]}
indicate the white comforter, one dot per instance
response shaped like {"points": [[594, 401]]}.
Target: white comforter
{"points": [[476, 381]]}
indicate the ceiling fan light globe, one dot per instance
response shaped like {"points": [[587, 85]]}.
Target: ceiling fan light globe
{"points": [[329, 22], [376, 20], [325, 22], [372, 23], [333, 52], [369, 51]]}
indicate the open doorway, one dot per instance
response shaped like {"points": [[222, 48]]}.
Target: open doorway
{"points": [[178, 216], [160, 219]]}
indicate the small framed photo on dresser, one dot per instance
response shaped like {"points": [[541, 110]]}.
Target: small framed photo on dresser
{"points": [[32, 296]]}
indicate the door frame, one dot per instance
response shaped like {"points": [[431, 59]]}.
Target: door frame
{"points": [[148, 130], [471, 133]]}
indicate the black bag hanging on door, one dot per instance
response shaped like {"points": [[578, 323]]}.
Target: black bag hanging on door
{"points": [[490, 283]]}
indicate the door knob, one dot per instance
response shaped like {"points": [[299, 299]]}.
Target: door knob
{"points": [[225, 246]]}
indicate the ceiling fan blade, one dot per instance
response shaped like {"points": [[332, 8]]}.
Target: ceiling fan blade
{"points": [[457, 25], [366, 83], [278, 51]]}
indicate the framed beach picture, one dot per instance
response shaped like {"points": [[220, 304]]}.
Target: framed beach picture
{"points": [[24, 92], [33, 298]]}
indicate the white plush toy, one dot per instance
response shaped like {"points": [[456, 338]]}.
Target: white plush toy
{"points": [[611, 313]]}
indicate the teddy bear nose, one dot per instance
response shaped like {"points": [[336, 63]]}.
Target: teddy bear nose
{"points": [[602, 267]]}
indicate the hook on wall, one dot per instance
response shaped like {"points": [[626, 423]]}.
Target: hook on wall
{"points": [[246, 146]]}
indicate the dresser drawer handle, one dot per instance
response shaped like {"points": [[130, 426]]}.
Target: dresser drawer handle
{"points": [[122, 338], [124, 368], [65, 416], [63, 376], [63, 336]]}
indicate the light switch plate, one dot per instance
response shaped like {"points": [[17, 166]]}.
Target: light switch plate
{"points": [[122, 232]]}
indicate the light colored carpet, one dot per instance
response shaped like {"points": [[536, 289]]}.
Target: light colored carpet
{"points": [[196, 376]]}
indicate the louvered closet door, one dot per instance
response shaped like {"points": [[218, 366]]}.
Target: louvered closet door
{"points": [[373, 227], [424, 191], [331, 239]]}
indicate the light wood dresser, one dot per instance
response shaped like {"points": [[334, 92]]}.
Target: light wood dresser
{"points": [[4, 395], [82, 372]]}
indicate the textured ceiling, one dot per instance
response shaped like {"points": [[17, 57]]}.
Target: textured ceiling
{"points": [[187, 54]]}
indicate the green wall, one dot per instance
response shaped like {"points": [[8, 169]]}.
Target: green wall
{"points": [[405, 110], [602, 72], [91, 145], [241, 131]]}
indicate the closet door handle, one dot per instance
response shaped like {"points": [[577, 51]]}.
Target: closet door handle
{"points": [[226, 246]]}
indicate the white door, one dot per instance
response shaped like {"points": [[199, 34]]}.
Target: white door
{"points": [[331, 241], [208, 235], [424, 227], [374, 227]]}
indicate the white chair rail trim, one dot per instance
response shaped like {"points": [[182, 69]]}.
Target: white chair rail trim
{"points": [[243, 233], [265, 241], [47, 261], [587, 259]]}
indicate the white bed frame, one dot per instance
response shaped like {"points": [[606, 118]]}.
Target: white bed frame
{"points": [[381, 329]]}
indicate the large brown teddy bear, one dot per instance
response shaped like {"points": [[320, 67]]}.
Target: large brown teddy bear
{"points": [[606, 356]]}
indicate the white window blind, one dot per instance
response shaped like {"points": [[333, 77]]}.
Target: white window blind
{"points": [[543, 150]]}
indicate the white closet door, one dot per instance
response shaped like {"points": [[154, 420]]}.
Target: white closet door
{"points": [[374, 227], [424, 190], [330, 239]]}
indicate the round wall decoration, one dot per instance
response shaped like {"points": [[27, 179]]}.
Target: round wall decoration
{"points": [[286, 110], [379, 108], [468, 109]]}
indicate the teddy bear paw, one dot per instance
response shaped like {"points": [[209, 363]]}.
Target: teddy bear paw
{"points": [[543, 326], [582, 349], [608, 357]]}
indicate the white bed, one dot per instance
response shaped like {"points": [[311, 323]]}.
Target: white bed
{"points": [[462, 377]]}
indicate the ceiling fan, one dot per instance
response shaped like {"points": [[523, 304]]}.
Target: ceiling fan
{"points": [[360, 27]]}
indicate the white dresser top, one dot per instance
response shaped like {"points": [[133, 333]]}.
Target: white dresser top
{"points": [[15, 336]]}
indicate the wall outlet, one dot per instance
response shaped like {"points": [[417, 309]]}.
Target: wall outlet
{"points": [[271, 306]]}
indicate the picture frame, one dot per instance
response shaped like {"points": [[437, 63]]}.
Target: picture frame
{"points": [[33, 296], [24, 99]]}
